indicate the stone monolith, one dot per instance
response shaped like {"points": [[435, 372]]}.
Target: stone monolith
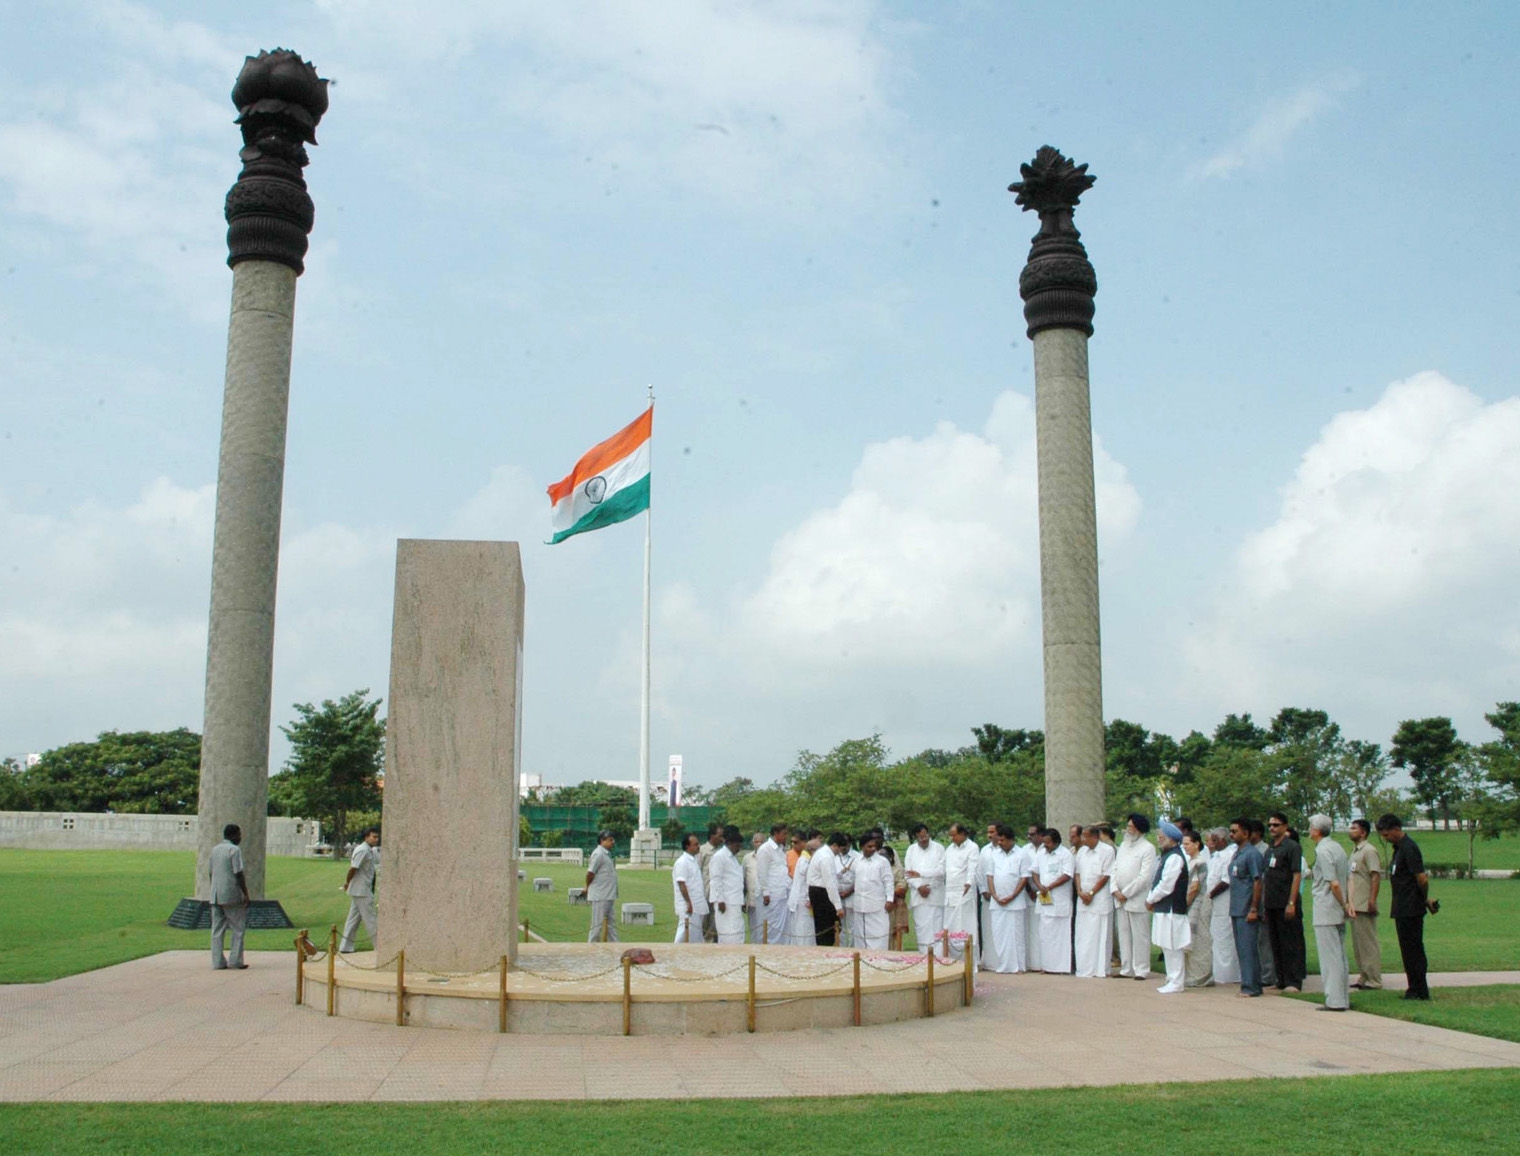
{"points": [[448, 883]]}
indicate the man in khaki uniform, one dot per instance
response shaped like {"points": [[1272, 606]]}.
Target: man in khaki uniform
{"points": [[1366, 878]]}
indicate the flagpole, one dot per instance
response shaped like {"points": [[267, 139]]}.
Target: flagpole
{"points": [[644, 704]]}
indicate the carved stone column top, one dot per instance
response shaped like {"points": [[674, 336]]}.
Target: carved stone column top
{"points": [[1058, 283], [280, 100]]}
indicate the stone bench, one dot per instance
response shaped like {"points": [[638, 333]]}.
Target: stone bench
{"points": [[543, 884], [577, 897], [522, 876], [639, 913]]}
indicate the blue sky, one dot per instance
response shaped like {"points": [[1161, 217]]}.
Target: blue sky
{"points": [[792, 220]]}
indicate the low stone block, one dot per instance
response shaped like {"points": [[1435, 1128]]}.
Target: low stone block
{"points": [[522, 876], [639, 913], [543, 884], [577, 897]]}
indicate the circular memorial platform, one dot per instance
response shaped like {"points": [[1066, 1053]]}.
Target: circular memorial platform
{"points": [[689, 989]]}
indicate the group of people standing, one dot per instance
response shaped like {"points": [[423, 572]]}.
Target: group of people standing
{"points": [[1203, 899]]}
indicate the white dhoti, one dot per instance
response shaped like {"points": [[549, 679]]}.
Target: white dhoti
{"points": [[800, 929], [1032, 936], [688, 928], [1226, 962], [773, 920], [1005, 941], [1094, 942], [1055, 943], [871, 929], [1172, 935], [1134, 943], [961, 916], [928, 922], [730, 924], [984, 938]]}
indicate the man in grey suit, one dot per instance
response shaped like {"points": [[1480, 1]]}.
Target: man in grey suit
{"points": [[229, 899], [602, 889], [1332, 904]]}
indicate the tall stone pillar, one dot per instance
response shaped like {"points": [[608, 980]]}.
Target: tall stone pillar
{"points": [[1058, 285], [280, 99]]}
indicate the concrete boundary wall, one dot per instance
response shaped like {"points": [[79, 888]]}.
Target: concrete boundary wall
{"points": [[79, 831]]}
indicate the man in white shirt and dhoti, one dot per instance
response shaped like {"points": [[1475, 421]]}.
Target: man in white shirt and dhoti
{"points": [[924, 867], [1134, 870], [1217, 881], [749, 861], [1052, 874], [873, 896], [1032, 852], [1094, 865], [983, 870], [961, 859], [725, 888], [1167, 900], [1007, 899], [799, 912], [775, 887], [688, 892], [845, 877]]}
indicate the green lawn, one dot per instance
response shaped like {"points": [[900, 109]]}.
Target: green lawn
{"points": [[1485, 1011], [63, 912], [1431, 1113], [1450, 847]]}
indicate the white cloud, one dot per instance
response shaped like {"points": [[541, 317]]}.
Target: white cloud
{"points": [[776, 102], [137, 164], [1386, 583], [1278, 122]]}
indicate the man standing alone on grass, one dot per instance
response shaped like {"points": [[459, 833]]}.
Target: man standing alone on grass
{"points": [[1245, 905], [1411, 902], [1366, 879], [1283, 899], [690, 898], [1331, 877], [360, 885], [602, 889], [229, 899]]}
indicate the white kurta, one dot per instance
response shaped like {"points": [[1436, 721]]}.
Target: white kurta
{"points": [[928, 911], [686, 870], [1094, 930], [873, 891], [1032, 855], [775, 892], [1134, 866], [1226, 962], [961, 862], [1170, 931], [799, 915], [1006, 927], [984, 869], [1055, 916], [725, 885]]}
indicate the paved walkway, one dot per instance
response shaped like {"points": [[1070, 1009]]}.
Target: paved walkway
{"points": [[169, 1028]]}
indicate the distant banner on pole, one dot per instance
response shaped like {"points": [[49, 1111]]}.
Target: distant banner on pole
{"points": [[673, 784]]}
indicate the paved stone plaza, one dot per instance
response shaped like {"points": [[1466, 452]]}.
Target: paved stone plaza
{"points": [[169, 1028]]}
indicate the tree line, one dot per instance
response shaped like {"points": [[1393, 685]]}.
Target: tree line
{"points": [[1300, 763]]}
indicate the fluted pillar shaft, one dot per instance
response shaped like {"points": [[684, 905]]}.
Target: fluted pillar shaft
{"points": [[1058, 285]]}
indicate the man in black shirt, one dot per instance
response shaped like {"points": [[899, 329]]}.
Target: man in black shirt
{"points": [[1411, 900], [1281, 898]]}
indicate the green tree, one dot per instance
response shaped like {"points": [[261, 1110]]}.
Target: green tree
{"points": [[671, 831], [1128, 749], [1428, 749], [1233, 781], [141, 772], [998, 745], [594, 793], [730, 792], [1359, 771], [337, 750], [1238, 730], [1493, 805], [14, 795], [524, 831], [1307, 745]]}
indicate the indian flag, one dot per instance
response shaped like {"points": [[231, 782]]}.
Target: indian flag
{"points": [[610, 483]]}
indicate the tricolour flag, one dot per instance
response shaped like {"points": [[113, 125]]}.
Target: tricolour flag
{"points": [[610, 483]]}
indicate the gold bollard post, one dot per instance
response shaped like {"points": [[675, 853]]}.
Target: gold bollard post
{"points": [[627, 996], [855, 989], [837, 927], [929, 985], [400, 988], [966, 962], [332, 965], [765, 932], [750, 1016], [606, 928], [525, 931], [300, 967], [501, 1025]]}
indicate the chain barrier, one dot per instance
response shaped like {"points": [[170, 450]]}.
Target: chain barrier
{"points": [[347, 962], [802, 978], [706, 977], [549, 978]]}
